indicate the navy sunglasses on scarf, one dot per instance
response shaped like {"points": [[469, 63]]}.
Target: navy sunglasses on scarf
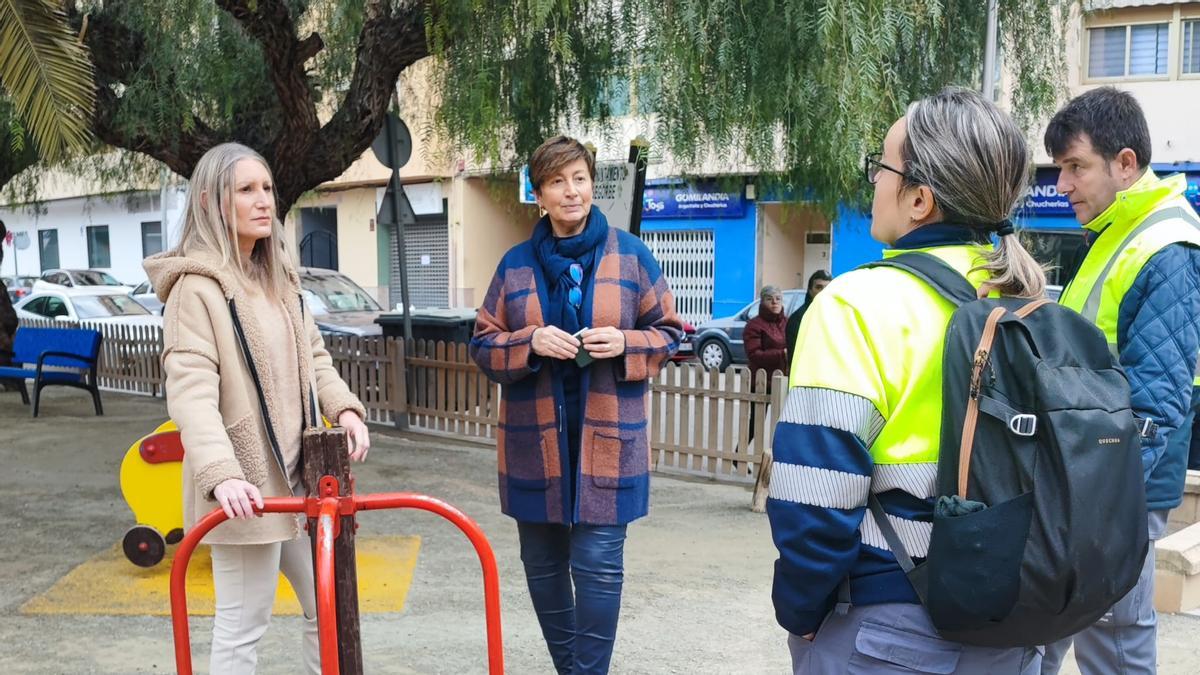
{"points": [[575, 294]]}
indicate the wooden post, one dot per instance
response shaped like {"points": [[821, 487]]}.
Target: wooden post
{"points": [[758, 503], [779, 388], [325, 453]]}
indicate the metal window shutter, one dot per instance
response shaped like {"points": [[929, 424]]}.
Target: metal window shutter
{"points": [[687, 258], [428, 284]]}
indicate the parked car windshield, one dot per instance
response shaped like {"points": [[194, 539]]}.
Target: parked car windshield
{"points": [[329, 293], [103, 306], [95, 278]]}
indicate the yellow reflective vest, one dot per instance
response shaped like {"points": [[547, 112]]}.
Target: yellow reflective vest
{"points": [[886, 348], [1151, 215]]}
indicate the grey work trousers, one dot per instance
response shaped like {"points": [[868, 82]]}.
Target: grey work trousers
{"points": [[899, 638], [1123, 640]]}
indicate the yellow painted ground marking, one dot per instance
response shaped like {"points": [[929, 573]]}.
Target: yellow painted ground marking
{"points": [[111, 585]]}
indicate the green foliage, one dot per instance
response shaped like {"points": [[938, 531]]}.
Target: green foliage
{"points": [[798, 88]]}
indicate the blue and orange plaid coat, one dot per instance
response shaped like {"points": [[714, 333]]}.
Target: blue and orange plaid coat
{"points": [[628, 292]]}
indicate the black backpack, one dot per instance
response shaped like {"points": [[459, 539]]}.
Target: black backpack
{"points": [[1040, 523]]}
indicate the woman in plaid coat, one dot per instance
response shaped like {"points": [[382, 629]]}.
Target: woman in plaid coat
{"points": [[575, 323]]}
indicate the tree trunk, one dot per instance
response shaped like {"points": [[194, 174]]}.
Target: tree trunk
{"points": [[301, 153]]}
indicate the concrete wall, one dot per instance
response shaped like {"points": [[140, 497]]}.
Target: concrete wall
{"points": [[781, 243], [357, 237], [486, 220]]}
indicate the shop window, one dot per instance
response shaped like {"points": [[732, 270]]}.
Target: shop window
{"points": [[1059, 251]]}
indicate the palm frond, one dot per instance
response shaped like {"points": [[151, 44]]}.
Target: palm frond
{"points": [[47, 74]]}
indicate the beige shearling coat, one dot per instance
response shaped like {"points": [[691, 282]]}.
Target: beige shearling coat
{"points": [[213, 398]]}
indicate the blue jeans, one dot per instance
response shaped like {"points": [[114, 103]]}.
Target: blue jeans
{"points": [[579, 624]]}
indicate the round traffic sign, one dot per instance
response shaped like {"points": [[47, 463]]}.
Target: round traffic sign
{"points": [[393, 145]]}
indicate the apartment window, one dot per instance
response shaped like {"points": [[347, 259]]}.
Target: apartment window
{"points": [[615, 96], [48, 249], [151, 238], [97, 244], [1128, 51], [648, 91], [1191, 47]]}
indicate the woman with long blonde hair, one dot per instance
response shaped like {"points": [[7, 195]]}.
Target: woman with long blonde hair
{"points": [[247, 372]]}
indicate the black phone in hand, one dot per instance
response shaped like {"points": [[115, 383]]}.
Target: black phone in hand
{"points": [[583, 358]]}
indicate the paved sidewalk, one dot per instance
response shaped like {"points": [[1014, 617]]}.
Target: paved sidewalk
{"points": [[697, 593]]}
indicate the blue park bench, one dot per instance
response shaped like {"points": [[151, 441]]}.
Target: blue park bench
{"points": [[55, 356]]}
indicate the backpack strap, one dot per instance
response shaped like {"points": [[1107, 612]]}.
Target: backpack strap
{"points": [[893, 542], [314, 418], [932, 270]]}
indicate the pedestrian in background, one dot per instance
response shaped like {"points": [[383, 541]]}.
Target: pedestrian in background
{"points": [[576, 322], [816, 283], [8, 315], [765, 334], [246, 373], [766, 343]]}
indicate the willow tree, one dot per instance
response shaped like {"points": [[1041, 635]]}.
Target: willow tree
{"points": [[799, 86]]}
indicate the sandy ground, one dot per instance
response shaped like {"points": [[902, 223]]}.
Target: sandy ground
{"points": [[698, 570]]}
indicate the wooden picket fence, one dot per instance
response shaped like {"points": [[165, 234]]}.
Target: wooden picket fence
{"points": [[703, 423], [712, 424], [449, 394], [371, 367]]}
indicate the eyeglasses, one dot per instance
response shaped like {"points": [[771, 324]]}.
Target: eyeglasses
{"points": [[872, 166], [575, 295]]}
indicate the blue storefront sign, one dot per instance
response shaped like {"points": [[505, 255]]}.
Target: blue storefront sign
{"points": [[1043, 198], [692, 201]]}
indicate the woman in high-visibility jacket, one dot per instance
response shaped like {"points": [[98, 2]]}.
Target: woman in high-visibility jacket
{"points": [[863, 412]]}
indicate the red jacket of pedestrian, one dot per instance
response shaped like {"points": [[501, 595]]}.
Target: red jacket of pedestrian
{"points": [[765, 338]]}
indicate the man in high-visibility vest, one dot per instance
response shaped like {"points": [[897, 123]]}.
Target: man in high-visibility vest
{"points": [[1140, 284]]}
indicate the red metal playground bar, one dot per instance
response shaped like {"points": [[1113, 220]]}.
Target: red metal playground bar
{"points": [[328, 510]]}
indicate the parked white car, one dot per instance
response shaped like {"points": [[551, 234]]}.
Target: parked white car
{"points": [[86, 304], [146, 297], [59, 279]]}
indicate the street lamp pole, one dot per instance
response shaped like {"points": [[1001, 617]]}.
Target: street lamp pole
{"points": [[990, 49]]}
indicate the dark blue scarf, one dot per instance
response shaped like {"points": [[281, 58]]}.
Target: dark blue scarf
{"points": [[941, 234], [556, 257]]}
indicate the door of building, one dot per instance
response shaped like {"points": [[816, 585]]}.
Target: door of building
{"points": [[318, 238]]}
